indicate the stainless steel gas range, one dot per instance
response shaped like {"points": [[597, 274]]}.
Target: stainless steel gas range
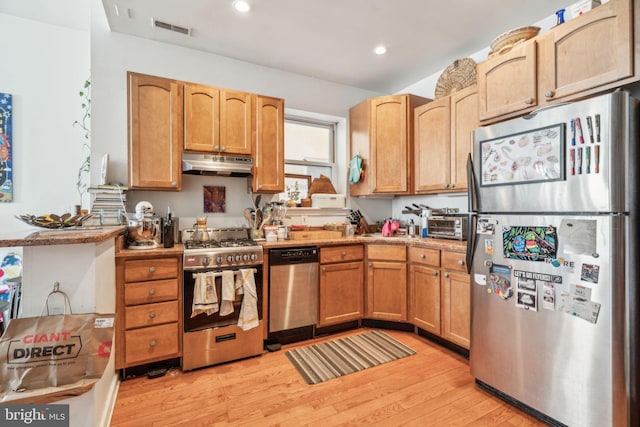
{"points": [[222, 283]]}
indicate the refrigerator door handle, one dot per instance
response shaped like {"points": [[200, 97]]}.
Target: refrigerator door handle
{"points": [[472, 190], [472, 193], [472, 241]]}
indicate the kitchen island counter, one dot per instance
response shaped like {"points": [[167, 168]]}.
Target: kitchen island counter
{"points": [[48, 237]]}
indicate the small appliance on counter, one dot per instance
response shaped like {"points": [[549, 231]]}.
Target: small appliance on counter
{"points": [[144, 229]]}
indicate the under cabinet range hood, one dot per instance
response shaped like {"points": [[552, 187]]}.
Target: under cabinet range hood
{"points": [[209, 164]]}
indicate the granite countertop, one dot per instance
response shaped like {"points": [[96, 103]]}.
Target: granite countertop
{"points": [[123, 252], [442, 244], [46, 237]]}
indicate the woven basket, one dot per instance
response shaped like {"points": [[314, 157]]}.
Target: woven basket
{"points": [[321, 185], [457, 76], [505, 41]]}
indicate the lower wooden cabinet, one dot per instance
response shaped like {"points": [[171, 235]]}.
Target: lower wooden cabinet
{"points": [[341, 284], [148, 308], [439, 292], [386, 282]]}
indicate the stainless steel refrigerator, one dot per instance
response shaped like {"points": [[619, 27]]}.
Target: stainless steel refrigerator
{"points": [[554, 261]]}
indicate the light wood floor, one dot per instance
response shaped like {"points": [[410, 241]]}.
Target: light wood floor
{"points": [[431, 388]]}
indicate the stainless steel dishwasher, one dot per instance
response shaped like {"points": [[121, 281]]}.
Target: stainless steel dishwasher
{"points": [[293, 293]]}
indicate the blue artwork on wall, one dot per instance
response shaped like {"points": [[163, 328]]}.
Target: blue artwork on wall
{"points": [[6, 174]]}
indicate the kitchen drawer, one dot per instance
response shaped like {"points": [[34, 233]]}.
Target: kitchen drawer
{"points": [[151, 291], [140, 316], [150, 269], [154, 343], [454, 261], [425, 256], [341, 253], [387, 252]]}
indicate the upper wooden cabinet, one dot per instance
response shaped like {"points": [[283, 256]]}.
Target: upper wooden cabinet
{"points": [[588, 52], [155, 133], [268, 173], [443, 141], [201, 118], [236, 122], [591, 53], [507, 83], [381, 132], [217, 120]]}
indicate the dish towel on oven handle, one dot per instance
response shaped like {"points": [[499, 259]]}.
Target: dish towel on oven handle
{"points": [[228, 293], [205, 298], [248, 317]]}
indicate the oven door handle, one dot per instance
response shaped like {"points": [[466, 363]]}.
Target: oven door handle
{"points": [[226, 337]]}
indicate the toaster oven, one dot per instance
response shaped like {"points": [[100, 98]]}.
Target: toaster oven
{"points": [[448, 227]]}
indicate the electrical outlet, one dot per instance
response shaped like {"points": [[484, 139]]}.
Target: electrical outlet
{"points": [[304, 219]]}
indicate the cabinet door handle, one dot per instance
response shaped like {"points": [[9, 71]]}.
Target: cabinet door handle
{"points": [[549, 94], [445, 185], [324, 269], [152, 269], [446, 275], [370, 265], [528, 101], [460, 262], [435, 273], [152, 315], [174, 184], [152, 292], [452, 185], [223, 148], [152, 343]]}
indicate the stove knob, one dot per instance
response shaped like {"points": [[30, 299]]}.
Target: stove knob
{"points": [[206, 260], [218, 259], [254, 257], [238, 258], [245, 257], [229, 258]]}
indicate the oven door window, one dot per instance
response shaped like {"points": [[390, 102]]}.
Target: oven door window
{"points": [[204, 321]]}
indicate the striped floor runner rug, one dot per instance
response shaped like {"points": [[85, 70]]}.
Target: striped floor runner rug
{"points": [[321, 362]]}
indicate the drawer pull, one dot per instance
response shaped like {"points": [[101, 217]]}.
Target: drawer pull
{"points": [[423, 256], [435, 273], [370, 265], [446, 275], [152, 269], [460, 262], [152, 292], [226, 337], [152, 314], [324, 269], [344, 254], [152, 343]]}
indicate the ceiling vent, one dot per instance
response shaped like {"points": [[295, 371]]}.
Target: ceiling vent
{"points": [[171, 27]]}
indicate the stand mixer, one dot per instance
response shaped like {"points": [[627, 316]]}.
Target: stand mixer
{"points": [[143, 228]]}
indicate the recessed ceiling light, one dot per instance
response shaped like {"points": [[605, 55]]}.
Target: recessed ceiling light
{"points": [[241, 6], [380, 50]]}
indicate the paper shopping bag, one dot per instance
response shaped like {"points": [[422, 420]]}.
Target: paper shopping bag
{"points": [[54, 351]]}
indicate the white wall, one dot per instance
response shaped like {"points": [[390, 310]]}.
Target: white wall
{"points": [[120, 53], [44, 67]]}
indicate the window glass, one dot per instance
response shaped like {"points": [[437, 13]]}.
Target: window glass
{"points": [[309, 147]]}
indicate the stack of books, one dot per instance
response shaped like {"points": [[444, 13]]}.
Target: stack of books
{"points": [[108, 203]]}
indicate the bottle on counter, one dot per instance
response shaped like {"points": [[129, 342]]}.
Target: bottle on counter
{"points": [[167, 230]]}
